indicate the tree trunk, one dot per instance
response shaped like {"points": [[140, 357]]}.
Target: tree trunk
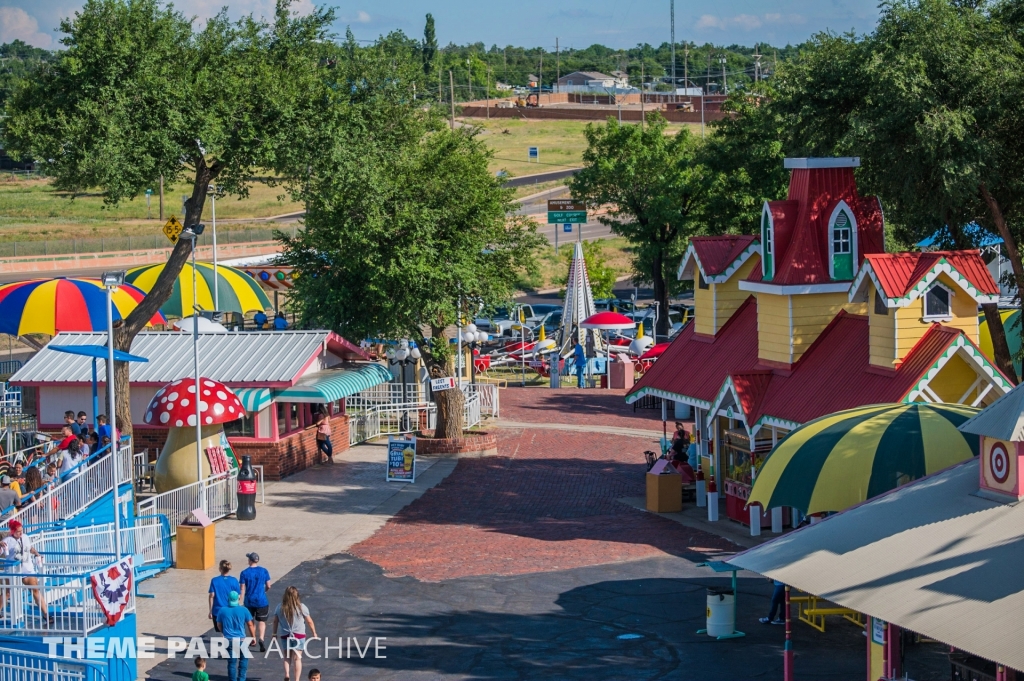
{"points": [[159, 294], [450, 408], [661, 296], [1000, 347], [1018, 276]]}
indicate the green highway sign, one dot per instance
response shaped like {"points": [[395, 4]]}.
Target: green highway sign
{"points": [[566, 211], [577, 217]]}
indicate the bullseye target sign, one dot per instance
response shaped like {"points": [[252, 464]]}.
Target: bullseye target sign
{"points": [[999, 462], [999, 466]]}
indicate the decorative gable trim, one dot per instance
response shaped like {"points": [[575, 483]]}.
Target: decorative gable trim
{"points": [[728, 389], [665, 394], [691, 260], [968, 351], [923, 284]]}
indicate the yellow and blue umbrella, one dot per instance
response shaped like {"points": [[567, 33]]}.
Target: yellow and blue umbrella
{"points": [[238, 292], [1011, 323], [842, 459], [49, 306]]}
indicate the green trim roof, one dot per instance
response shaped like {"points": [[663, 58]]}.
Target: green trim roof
{"points": [[334, 384]]}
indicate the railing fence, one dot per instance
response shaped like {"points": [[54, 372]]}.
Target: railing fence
{"points": [[20, 665], [221, 496], [380, 410]]}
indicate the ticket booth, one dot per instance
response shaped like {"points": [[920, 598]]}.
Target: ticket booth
{"points": [[740, 460]]}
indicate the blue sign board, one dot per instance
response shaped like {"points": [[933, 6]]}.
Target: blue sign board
{"points": [[534, 152], [567, 228]]}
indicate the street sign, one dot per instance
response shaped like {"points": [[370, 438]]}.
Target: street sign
{"points": [[566, 211], [567, 227], [446, 383], [172, 229], [535, 153]]}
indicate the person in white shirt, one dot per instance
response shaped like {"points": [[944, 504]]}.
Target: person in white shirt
{"points": [[18, 547]]}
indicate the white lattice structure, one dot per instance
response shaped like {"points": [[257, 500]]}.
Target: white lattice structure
{"points": [[579, 304]]}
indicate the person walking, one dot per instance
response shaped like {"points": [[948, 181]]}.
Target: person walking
{"points": [[323, 437], [778, 603], [18, 547], [293, 617], [220, 587], [8, 497], [581, 363], [255, 581], [234, 622]]}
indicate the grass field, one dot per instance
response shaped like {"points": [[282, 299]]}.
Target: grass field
{"points": [[554, 267]]}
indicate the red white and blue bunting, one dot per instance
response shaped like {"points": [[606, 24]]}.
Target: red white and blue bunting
{"points": [[112, 587]]}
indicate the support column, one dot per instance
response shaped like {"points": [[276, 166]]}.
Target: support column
{"points": [[777, 520], [715, 474], [755, 520], [699, 428]]}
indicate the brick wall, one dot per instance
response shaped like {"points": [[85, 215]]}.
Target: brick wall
{"points": [[632, 115], [475, 444], [294, 453]]}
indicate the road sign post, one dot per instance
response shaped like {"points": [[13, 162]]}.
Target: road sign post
{"points": [[534, 154], [149, 195], [566, 211], [172, 229]]}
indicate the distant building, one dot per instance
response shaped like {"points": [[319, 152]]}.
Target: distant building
{"points": [[578, 81], [502, 87], [621, 79], [531, 80]]}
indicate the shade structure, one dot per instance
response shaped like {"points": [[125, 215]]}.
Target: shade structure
{"points": [[842, 459], [331, 385], [50, 306], [238, 292], [608, 321]]}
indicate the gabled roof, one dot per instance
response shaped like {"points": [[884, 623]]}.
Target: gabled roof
{"points": [[930, 556], [239, 359], [717, 257], [1003, 419], [700, 370], [592, 75], [904, 277]]}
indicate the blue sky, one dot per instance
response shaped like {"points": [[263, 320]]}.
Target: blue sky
{"points": [[524, 22]]}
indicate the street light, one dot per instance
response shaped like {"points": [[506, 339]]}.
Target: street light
{"points": [[111, 281], [192, 233], [472, 336], [407, 353]]}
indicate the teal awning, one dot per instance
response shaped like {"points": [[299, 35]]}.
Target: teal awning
{"points": [[254, 399], [334, 384]]}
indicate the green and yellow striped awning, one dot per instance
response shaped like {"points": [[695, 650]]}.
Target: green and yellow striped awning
{"points": [[331, 385], [842, 459], [254, 399]]}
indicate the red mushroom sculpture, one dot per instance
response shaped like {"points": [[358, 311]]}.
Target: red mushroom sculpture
{"points": [[174, 407]]}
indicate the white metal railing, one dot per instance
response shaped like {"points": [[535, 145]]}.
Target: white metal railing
{"points": [[75, 494], [376, 418], [488, 394], [470, 413], [21, 665], [148, 541], [10, 399], [221, 492], [386, 394], [64, 586]]}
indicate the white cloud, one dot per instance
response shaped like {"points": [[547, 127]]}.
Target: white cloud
{"points": [[746, 22], [17, 24]]}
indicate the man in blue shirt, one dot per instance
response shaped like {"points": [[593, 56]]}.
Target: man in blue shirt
{"points": [[235, 623], [220, 587], [103, 430], [581, 363], [260, 319], [255, 581], [280, 323]]}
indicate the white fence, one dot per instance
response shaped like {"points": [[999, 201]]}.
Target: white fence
{"points": [[10, 399], [19, 665], [148, 541], [380, 411], [488, 394], [221, 499], [75, 494]]}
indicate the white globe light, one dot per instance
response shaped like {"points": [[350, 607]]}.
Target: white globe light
{"points": [[468, 337], [390, 353], [415, 353], [404, 343], [402, 354], [481, 336], [471, 328]]}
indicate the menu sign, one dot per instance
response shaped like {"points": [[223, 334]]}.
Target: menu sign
{"points": [[401, 460]]}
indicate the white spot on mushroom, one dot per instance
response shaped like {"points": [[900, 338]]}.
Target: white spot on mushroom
{"points": [[173, 396], [165, 417], [192, 389], [209, 383], [178, 423], [191, 419], [203, 406], [163, 400], [232, 409], [149, 416], [161, 391], [206, 392], [184, 401], [178, 381], [221, 395], [209, 419], [218, 408]]}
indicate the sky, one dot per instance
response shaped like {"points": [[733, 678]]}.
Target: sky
{"points": [[527, 23]]}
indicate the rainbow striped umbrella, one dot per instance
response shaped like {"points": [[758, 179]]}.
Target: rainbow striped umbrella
{"points": [[49, 306], [838, 460], [238, 291]]}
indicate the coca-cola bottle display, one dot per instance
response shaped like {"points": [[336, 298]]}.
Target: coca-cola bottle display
{"points": [[246, 491]]}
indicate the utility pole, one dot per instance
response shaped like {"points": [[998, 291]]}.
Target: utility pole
{"points": [[488, 92], [558, 65], [757, 64], [672, 30], [540, 76], [725, 84], [451, 84], [469, 79], [641, 92], [686, 65], [440, 88], [504, 61], [162, 197]]}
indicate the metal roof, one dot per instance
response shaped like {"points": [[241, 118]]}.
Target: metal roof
{"points": [[234, 358], [331, 385], [929, 556], [1003, 419]]}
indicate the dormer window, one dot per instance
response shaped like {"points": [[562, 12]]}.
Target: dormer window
{"points": [[768, 259], [937, 303], [842, 247]]}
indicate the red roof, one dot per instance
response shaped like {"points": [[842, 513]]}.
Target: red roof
{"points": [[801, 224], [698, 366], [899, 272], [716, 253]]}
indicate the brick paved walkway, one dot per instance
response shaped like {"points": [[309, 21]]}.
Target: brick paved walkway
{"points": [[576, 407], [547, 502]]}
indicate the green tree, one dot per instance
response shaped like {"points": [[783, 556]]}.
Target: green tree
{"points": [[429, 49], [137, 94], [18, 60], [654, 188], [600, 274], [407, 230]]}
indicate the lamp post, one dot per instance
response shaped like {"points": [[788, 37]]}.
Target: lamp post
{"points": [[192, 233], [406, 354], [213, 207], [472, 336], [111, 281]]}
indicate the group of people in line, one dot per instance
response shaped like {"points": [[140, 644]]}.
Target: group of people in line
{"points": [[280, 322], [240, 609]]}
